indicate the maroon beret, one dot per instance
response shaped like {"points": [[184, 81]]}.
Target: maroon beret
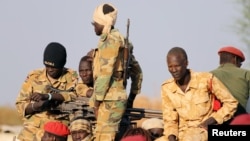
{"points": [[233, 51]]}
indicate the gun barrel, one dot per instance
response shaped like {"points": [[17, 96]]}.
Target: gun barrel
{"points": [[138, 113], [144, 110]]}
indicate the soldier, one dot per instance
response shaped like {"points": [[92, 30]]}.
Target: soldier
{"points": [[109, 94], [154, 126], [187, 103], [36, 97], [81, 130], [55, 131], [85, 85], [229, 71]]}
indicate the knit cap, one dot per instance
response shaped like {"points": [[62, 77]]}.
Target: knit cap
{"points": [[55, 55]]}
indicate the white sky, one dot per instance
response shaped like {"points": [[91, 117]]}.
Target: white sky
{"points": [[201, 27]]}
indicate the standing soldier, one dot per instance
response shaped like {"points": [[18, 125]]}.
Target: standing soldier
{"points": [[36, 96], [109, 94]]}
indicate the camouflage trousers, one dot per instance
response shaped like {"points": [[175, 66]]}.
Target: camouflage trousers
{"points": [[190, 134], [109, 117]]}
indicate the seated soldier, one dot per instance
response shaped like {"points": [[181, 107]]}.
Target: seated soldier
{"points": [[55, 131], [85, 85], [155, 127], [81, 130]]}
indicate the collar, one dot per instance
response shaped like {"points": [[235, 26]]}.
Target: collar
{"points": [[104, 36], [192, 84], [227, 65], [44, 77]]}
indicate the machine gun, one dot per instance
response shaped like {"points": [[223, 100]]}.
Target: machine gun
{"points": [[77, 108]]}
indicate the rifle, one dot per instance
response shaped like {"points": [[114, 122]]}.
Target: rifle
{"points": [[126, 57]]}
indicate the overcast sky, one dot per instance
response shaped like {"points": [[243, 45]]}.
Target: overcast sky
{"points": [[201, 27]]}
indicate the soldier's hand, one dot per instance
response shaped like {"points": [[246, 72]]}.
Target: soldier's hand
{"points": [[38, 97], [89, 93], [130, 104], [209, 121], [40, 105], [130, 100], [91, 53], [96, 111], [96, 108]]}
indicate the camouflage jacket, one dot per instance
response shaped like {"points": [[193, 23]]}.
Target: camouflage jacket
{"points": [[107, 62], [81, 89], [37, 81]]}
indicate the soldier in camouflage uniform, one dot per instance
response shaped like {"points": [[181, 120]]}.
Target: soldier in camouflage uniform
{"points": [[36, 97], [85, 85], [109, 94], [81, 130]]}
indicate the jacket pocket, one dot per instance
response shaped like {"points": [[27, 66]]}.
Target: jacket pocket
{"points": [[202, 104]]}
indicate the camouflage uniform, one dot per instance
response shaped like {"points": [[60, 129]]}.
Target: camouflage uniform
{"points": [[81, 89], [184, 111], [37, 81], [108, 85], [82, 124]]}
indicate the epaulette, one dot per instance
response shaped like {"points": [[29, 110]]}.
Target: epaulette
{"points": [[73, 74], [34, 73], [171, 80]]}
